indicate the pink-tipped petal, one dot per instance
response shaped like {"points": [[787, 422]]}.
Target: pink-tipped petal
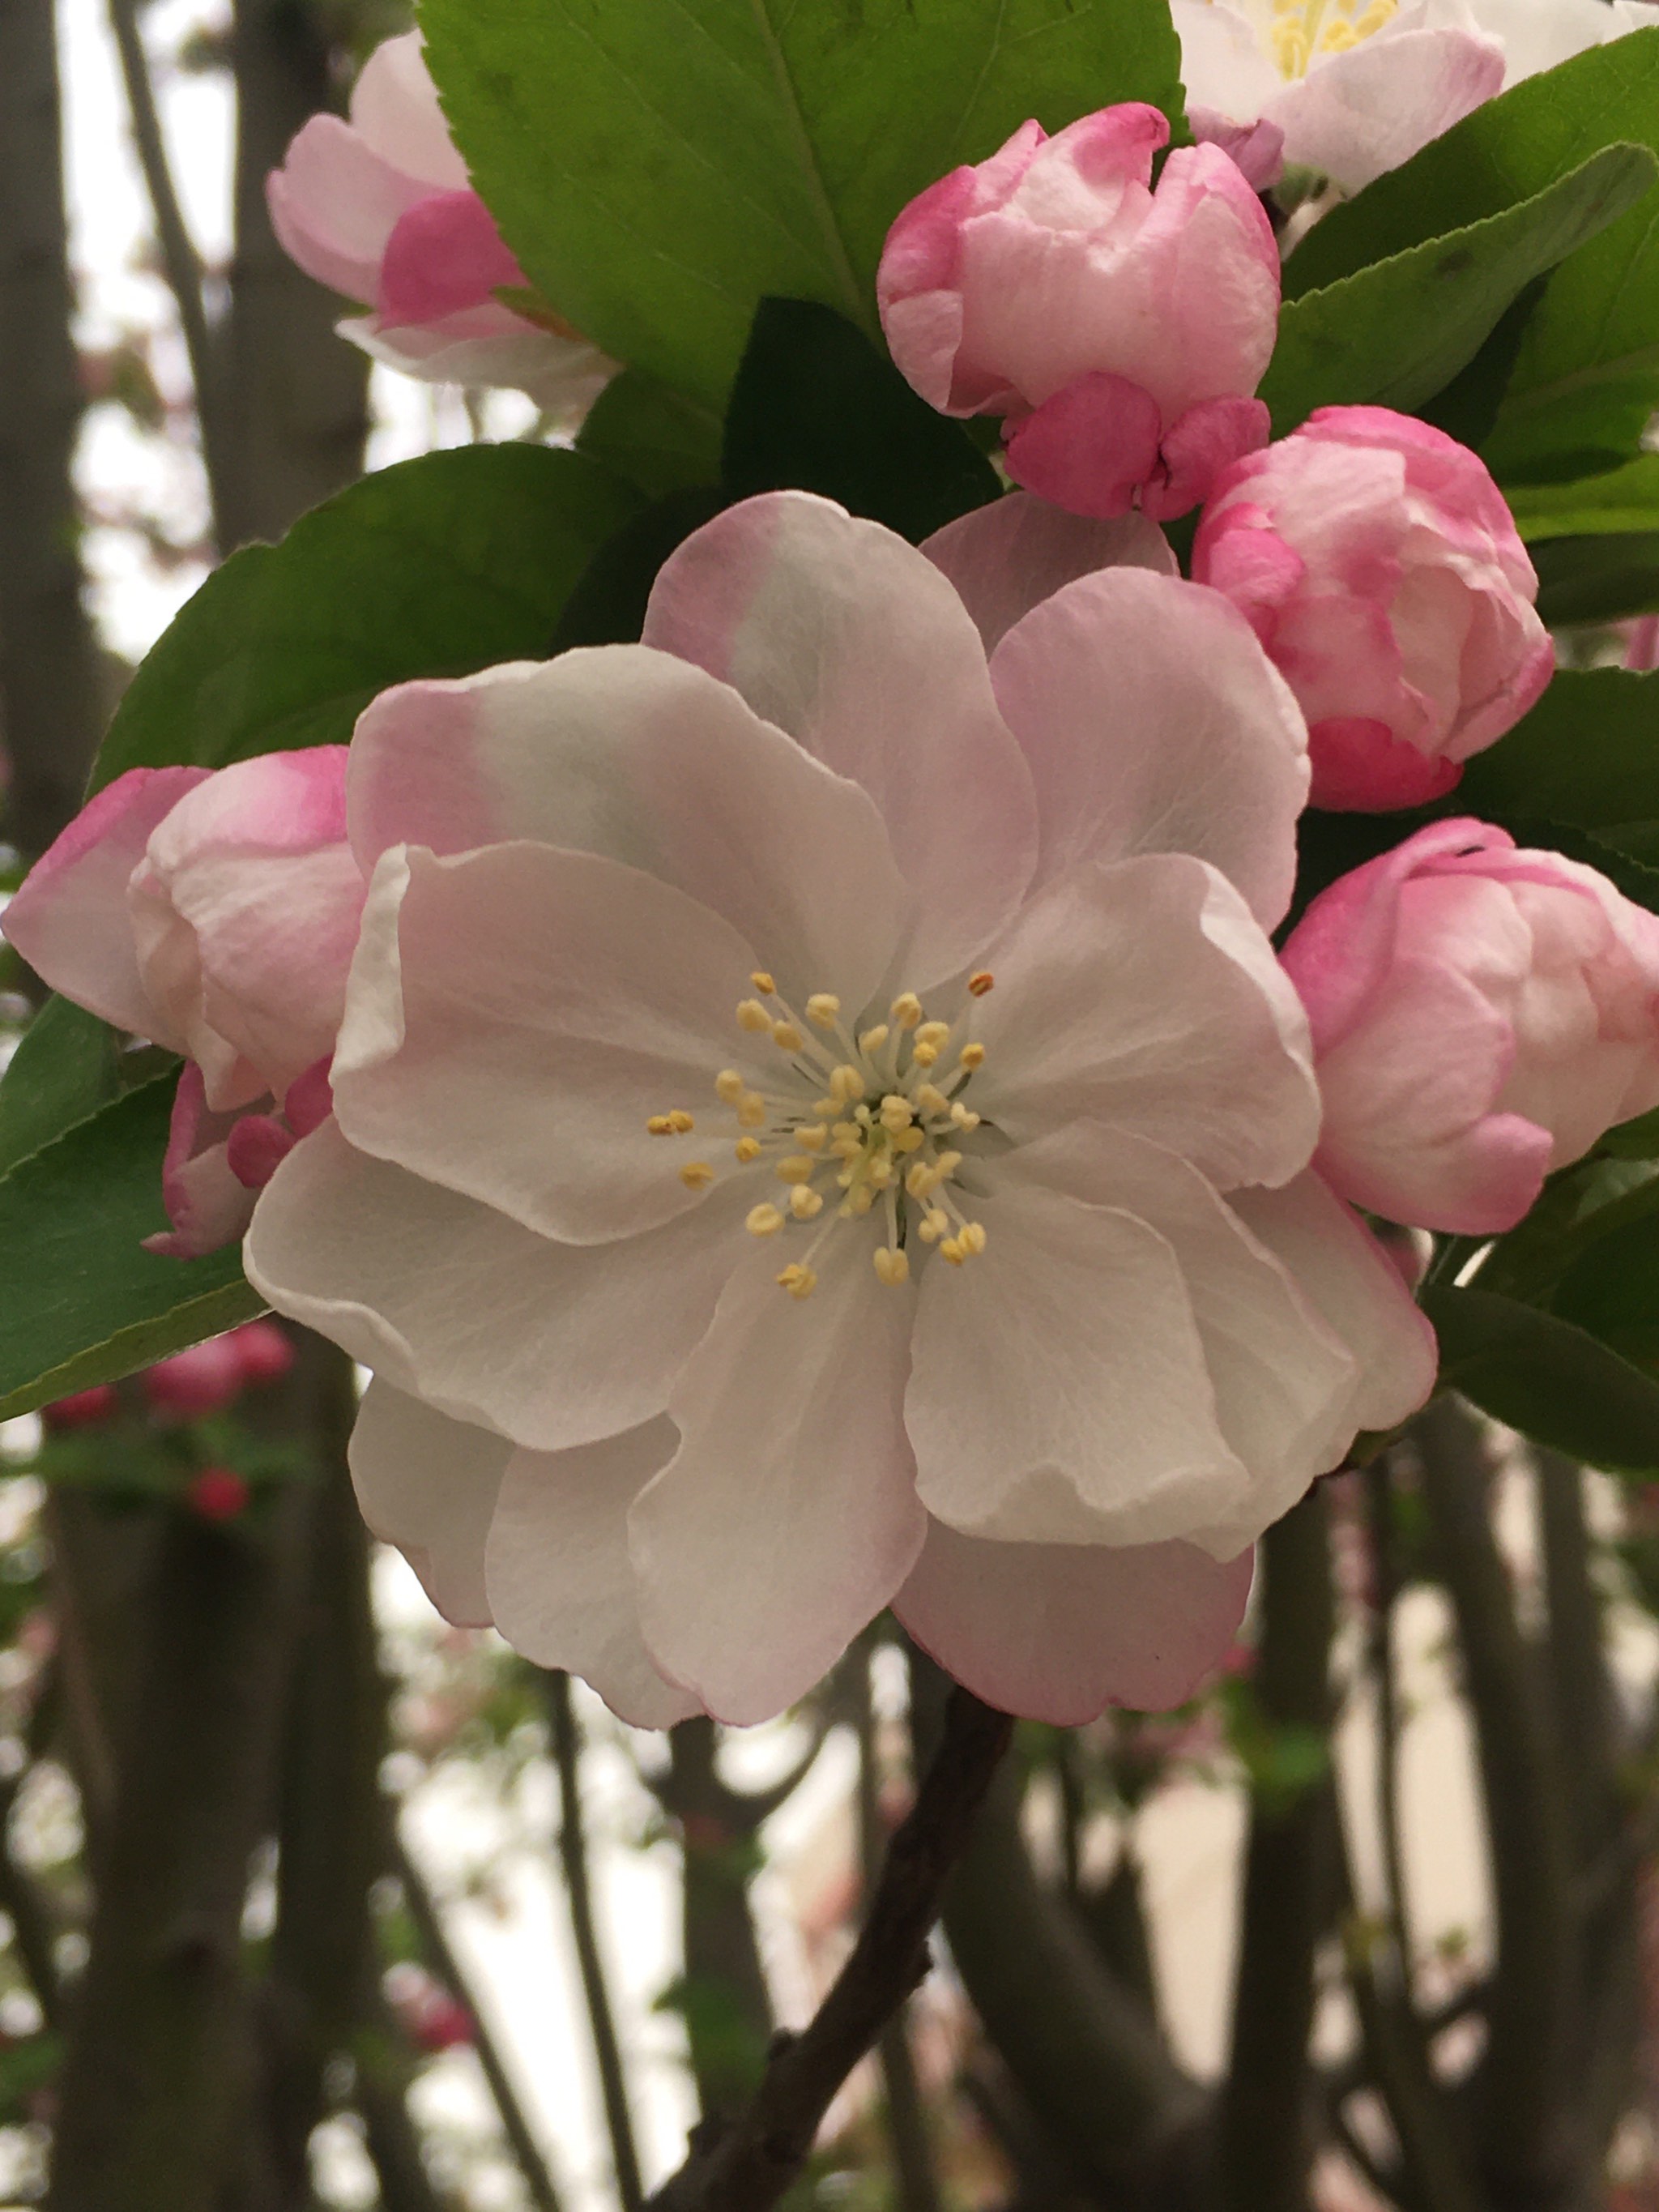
{"points": [[1058, 1632], [1360, 766], [335, 203], [1089, 448], [1207, 439], [208, 1204], [444, 256]]}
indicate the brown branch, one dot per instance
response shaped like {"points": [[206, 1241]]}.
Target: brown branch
{"points": [[750, 2165], [601, 2022]]}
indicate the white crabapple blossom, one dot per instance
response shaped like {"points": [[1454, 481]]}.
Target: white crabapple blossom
{"points": [[820, 1126]]}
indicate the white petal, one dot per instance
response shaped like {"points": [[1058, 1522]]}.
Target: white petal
{"points": [[1145, 995], [515, 1017], [788, 1517], [554, 1345], [1360, 113], [642, 758], [1222, 63], [1060, 1391], [851, 641], [429, 1485], [394, 106], [1008, 557], [560, 1587], [1057, 1632], [1154, 723]]}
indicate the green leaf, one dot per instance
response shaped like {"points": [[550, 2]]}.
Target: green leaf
{"points": [[80, 1302], [1545, 1376], [64, 1069], [1617, 500], [817, 407], [659, 166], [1587, 754], [436, 566], [1611, 1286], [1395, 333], [655, 439], [608, 606], [1597, 580]]}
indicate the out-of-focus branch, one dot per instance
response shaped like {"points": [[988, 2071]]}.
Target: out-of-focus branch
{"points": [[748, 2166], [181, 265], [434, 1940], [601, 2022], [393, 2145], [1524, 2091], [52, 705], [31, 1917], [1379, 1514], [1263, 2131], [155, 2078]]}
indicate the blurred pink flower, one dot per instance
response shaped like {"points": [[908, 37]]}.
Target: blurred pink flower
{"points": [[1378, 564], [218, 1493], [1119, 330], [209, 1376], [1480, 1017]]}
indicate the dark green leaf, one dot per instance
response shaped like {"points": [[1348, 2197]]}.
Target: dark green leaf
{"points": [[660, 166], [1587, 754], [1618, 500], [657, 440], [608, 606], [64, 1069], [80, 1302], [1611, 1286], [817, 407], [1596, 579], [434, 568], [1541, 1375], [1396, 333]]}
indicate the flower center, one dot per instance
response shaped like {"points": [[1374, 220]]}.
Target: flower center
{"points": [[856, 1122], [1300, 30]]}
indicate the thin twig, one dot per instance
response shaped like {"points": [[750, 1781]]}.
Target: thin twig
{"points": [[434, 1938], [601, 2022], [750, 2165], [1379, 1507], [181, 264]]}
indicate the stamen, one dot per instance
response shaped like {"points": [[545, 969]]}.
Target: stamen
{"points": [[980, 982], [763, 1221], [696, 1175], [754, 1018], [751, 1111], [747, 1149], [933, 1033], [800, 1282], [805, 1203], [924, 1054], [822, 1009], [872, 1041], [812, 1137], [787, 1037], [971, 1056], [659, 1126], [847, 1083], [763, 982], [932, 1100], [906, 1010], [729, 1086], [892, 1265], [796, 1168]]}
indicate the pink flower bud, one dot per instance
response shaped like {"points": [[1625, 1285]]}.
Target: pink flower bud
{"points": [[265, 1351], [381, 209], [1120, 331], [218, 1493], [82, 1409], [1480, 1016], [201, 1380], [1379, 566]]}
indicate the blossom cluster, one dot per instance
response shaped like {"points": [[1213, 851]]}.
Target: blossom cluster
{"points": [[828, 1108]]}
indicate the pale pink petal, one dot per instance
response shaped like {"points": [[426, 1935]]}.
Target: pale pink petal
{"points": [[1360, 767], [207, 1202], [1154, 723], [1256, 149], [1008, 557], [851, 641], [1089, 447], [520, 1015], [1223, 65], [490, 348], [562, 1590], [553, 1345], [1208, 438], [788, 1516], [70, 919], [335, 203], [1057, 1632], [1144, 996], [1360, 113], [643, 758], [445, 256], [1060, 1392], [429, 1485], [395, 110]]}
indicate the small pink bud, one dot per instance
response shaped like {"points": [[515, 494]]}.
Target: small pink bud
{"points": [[218, 1493], [83, 1409], [265, 1351]]}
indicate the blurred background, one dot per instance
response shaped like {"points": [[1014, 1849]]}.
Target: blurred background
{"points": [[377, 1915]]}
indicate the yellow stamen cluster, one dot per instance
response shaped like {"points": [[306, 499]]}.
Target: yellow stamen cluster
{"points": [[1302, 30], [883, 1129]]}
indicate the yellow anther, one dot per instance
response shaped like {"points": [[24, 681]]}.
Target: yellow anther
{"points": [[1338, 36], [860, 1200], [908, 1140], [891, 1265], [952, 1249], [822, 1008], [963, 1117], [747, 1149], [906, 1010], [681, 1122], [896, 1111], [881, 1174], [972, 1056], [754, 1018], [799, 1282], [805, 1205], [796, 1168], [872, 1039], [947, 1164], [933, 1033], [847, 1083], [980, 982], [826, 1109], [924, 1054], [932, 1100], [971, 1237], [763, 1221], [696, 1175], [923, 1179], [660, 1125], [763, 982], [935, 1223], [787, 1037], [729, 1086], [751, 1111], [814, 1138]]}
